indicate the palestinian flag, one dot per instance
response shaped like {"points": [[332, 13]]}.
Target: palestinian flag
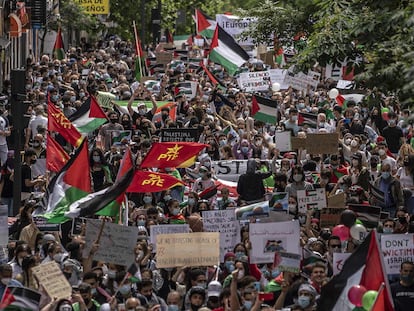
{"points": [[214, 80], [264, 109], [139, 58], [58, 50], [89, 116], [309, 119], [122, 106], [280, 58], [226, 51], [205, 25], [56, 156], [107, 201], [172, 154], [57, 122], [146, 181], [72, 183], [364, 267], [118, 136], [20, 299], [369, 215]]}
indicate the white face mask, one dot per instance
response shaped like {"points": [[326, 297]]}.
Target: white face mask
{"points": [[381, 152], [297, 177], [292, 208], [354, 143]]}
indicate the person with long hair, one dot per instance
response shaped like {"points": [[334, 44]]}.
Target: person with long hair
{"points": [[101, 174], [406, 176]]}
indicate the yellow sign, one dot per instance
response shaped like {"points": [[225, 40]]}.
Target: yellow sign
{"points": [[154, 180], [188, 249], [94, 6], [171, 154]]}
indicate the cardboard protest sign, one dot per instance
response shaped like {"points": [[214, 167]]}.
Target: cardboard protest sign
{"points": [[287, 262], [311, 199], [268, 238], [283, 141], [165, 229], [52, 279], [338, 261], [297, 143], [179, 134], [4, 227], [164, 57], [255, 81], [396, 249], [322, 143], [188, 249], [116, 244], [226, 224], [278, 75]]}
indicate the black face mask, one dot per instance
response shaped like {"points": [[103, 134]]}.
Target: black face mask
{"points": [[33, 161], [68, 275], [125, 122], [86, 300], [113, 121], [406, 163]]}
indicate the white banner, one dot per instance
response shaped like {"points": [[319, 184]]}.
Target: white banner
{"points": [[229, 170], [227, 225], [396, 249], [278, 75], [234, 26], [282, 140], [338, 261], [254, 81], [268, 238]]}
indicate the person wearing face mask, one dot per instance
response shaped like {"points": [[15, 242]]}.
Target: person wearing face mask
{"points": [[388, 226], [107, 129], [403, 290], [242, 151], [292, 122], [297, 182], [39, 168], [54, 253], [405, 175], [174, 212], [98, 293], [146, 295], [352, 148], [84, 301], [359, 174], [391, 187], [67, 102], [250, 185], [39, 121], [205, 182], [101, 174], [384, 157], [393, 134], [28, 183], [6, 274], [16, 263]]}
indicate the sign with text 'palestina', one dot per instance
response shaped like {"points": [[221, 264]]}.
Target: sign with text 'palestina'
{"points": [[227, 225], [268, 238], [396, 249]]}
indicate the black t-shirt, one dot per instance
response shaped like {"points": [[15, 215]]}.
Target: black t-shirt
{"points": [[403, 296], [26, 174], [393, 137]]}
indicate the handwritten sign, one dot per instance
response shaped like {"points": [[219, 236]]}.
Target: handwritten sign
{"points": [[311, 199], [288, 262], [322, 143], [164, 57], [278, 75], [52, 279], [338, 261], [226, 224], [283, 141], [396, 249], [165, 229], [268, 238], [116, 244], [188, 249], [181, 134], [254, 81]]}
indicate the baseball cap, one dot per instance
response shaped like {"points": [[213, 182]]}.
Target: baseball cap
{"points": [[214, 289]]}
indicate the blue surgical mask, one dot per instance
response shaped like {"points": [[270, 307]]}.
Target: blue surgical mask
{"points": [[191, 201], [230, 266], [244, 149], [248, 304], [72, 99], [387, 230], [239, 254], [173, 308], [223, 142], [275, 273], [175, 211], [304, 301], [147, 199], [385, 175], [125, 289], [167, 197], [141, 222]]}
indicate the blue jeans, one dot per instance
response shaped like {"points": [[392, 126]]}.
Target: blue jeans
{"points": [[9, 203]]}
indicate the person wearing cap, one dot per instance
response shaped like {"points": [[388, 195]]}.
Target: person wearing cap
{"points": [[214, 289]]}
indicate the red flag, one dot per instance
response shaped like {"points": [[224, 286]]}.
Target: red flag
{"points": [[57, 122], [56, 156], [379, 304], [255, 106], [209, 74], [170, 38], [146, 181], [374, 274], [340, 100], [172, 154], [79, 168]]}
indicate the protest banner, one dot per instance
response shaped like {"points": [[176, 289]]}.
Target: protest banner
{"points": [[164, 57], [94, 7], [179, 134], [116, 242], [235, 26], [322, 143], [230, 170], [396, 249], [165, 229], [338, 261], [267, 238], [53, 281], [287, 262], [311, 199], [283, 141], [297, 143], [188, 249], [255, 210], [226, 224], [255, 81], [278, 75], [4, 227], [279, 201]]}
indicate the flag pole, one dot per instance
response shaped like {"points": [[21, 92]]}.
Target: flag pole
{"points": [[137, 47]]}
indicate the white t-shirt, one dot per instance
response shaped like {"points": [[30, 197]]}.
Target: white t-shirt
{"points": [[405, 180], [3, 127], [36, 122]]}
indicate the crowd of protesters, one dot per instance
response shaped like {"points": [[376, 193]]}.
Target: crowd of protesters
{"points": [[375, 147]]}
